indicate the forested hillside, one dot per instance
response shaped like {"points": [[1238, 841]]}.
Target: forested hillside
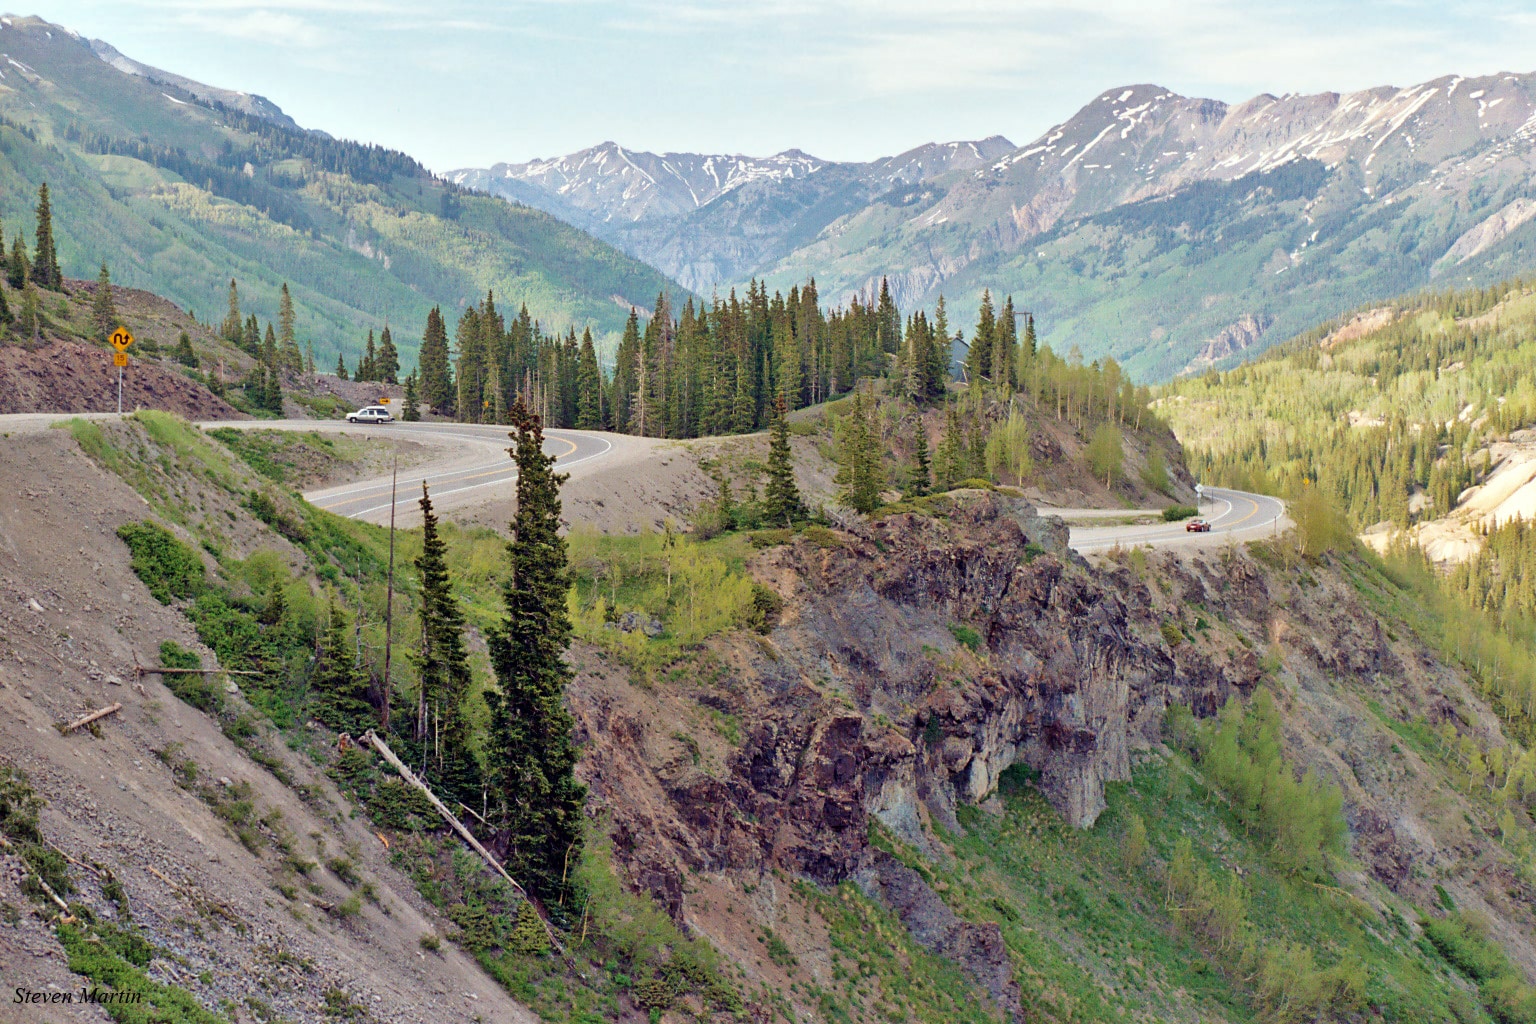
{"points": [[178, 194], [1400, 419]]}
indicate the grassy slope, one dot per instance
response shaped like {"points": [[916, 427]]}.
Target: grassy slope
{"points": [[171, 236]]}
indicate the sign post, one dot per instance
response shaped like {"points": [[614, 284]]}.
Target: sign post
{"points": [[121, 339]]}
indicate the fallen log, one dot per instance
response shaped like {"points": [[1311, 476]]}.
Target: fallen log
{"points": [[80, 723], [373, 739]]}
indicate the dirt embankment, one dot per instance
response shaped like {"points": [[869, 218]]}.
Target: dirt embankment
{"points": [[69, 376], [74, 620]]}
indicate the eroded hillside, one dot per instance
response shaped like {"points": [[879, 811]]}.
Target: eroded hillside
{"points": [[926, 765]]}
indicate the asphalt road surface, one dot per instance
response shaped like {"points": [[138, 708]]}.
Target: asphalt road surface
{"points": [[472, 458], [1234, 516]]}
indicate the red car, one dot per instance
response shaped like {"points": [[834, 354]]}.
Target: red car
{"points": [[1197, 526]]}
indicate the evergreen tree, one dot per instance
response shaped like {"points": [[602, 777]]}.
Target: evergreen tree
{"points": [[858, 458], [949, 468], [938, 350], [366, 368], [338, 683], [921, 470], [18, 270], [387, 367], [341, 368], [531, 754], [30, 324], [45, 262], [250, 337], [781, 498], [103, 310], [7, 318], [1005, 349], [442, 665], [589, 385], [436, 376], [183, 353], [233, 328], [309, 358], [291, 358], [978, 361], [412, 411]]}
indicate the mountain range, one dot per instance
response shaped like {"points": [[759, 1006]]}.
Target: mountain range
{"points": [[1172, 232], [179, 187]]}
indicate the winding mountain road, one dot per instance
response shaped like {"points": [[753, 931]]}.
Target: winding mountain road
{"points": [[1239, 516], [467, 464]]}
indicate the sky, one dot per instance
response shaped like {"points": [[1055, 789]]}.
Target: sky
{"points": [[468, 83]]}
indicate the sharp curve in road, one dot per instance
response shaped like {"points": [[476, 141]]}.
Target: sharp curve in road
{"points": [[473, 458], [1239, 516], [468, 463]]}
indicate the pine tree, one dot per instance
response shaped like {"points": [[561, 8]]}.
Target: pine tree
{"points": [[183, 353], [921, 470], [18, 270], [387, 366], [309, 358], [978, 361], [939, 350], [589, 387], [366, 368], [442, 664], [531, 754], [287, 340], [412, 411], [7, 318], [103, 310], [233, 328], [338, 683], [341, 368], [950, 465], [782, 504], [250, 337], [858, 458], [30, 324], [436, 375], [45, 262]]}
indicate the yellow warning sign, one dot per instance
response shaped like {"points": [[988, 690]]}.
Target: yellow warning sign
{"points": [[120, 359], [121, 339]]}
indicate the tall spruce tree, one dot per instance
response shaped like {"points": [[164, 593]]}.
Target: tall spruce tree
{"points": [[442, 665], [341, 368], [978, 360], [387, 367], [45, 261], [250, 336], [858, 458], [530, 751], [288, 342], [232, 329], [365, 366], [338, 683], [7, 318], [103, 310], [436, 376], [589, 387], [782, 505]]}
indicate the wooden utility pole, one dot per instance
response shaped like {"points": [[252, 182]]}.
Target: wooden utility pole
{"points": [[389, 596]]}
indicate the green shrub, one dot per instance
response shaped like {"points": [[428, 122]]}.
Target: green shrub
{"points": [[966, 635], [1178, 513], [169, 568], [1172, 634]]}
